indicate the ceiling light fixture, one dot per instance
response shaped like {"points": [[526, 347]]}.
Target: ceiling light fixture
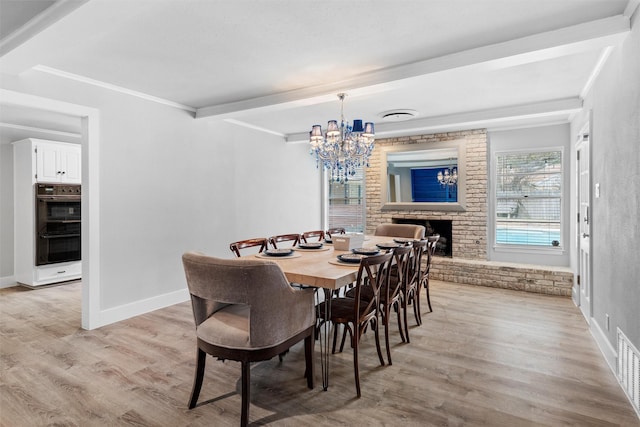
{"points": [[342, 148]]}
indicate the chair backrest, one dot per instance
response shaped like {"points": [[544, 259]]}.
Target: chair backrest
{"points": [[402, 259], [375, 271], [236, 246], [410, 231], [277, 311], [335, 230], [420, 247], [432, 242], [310, 235], [294, 238]]}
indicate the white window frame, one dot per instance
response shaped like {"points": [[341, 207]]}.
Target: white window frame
{"points": [[564, 193]]}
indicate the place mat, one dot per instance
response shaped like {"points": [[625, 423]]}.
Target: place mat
{"points": [[324, 248], [272, 257]]}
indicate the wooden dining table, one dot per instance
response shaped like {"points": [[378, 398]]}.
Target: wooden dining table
{"points": [[320, 268]]}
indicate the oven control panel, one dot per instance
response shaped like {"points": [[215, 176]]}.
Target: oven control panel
{"points": [[58, 189]]}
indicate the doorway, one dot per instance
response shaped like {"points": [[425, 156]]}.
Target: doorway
{"points": [[89, 118]]}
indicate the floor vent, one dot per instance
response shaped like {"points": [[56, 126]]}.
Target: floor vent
{"points": [[629, 369]]}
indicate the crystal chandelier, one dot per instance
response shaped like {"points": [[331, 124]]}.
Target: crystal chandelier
{"points": [[342, 148], [448, 176]]}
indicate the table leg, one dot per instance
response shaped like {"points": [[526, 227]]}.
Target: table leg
{"points": [[324, 336]]}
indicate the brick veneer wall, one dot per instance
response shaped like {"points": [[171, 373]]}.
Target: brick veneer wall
{"points": [[469, 262], [469, 228]]}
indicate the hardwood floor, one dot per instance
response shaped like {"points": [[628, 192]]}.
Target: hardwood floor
{"points": [[485, 356]]}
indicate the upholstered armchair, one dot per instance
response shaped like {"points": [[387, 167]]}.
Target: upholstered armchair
{"points": [[245, 310], [401, 230]]}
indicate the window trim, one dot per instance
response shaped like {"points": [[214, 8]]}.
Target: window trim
{"points": [[539, 249]]}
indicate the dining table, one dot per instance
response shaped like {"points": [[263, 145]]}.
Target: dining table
{"points": [[320, 268]]}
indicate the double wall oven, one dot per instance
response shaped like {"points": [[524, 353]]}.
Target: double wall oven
{"points": [[58, 223]]}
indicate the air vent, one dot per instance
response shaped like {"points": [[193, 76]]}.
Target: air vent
{"points": [[398, 115], [629, 370]]}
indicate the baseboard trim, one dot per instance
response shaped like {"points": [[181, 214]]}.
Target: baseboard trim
{"points": [[136, 308], [8, 282], [608, 351]]}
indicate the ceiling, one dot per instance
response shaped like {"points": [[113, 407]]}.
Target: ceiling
{"points": [[276, 66]]}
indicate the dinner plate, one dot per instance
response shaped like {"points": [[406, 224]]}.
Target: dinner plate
{"points": [[403, 240], [388, 245], [279, 252], [366, 251], [351, 258], [313, 245]]}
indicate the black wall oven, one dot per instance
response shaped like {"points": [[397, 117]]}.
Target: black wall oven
{"points": [[58, 223]]}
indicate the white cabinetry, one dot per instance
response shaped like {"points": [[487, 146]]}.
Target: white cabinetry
{"points": [[36, 160], [57, 162]]}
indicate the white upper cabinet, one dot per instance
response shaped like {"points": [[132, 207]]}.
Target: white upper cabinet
{"points": [[58, 162]]}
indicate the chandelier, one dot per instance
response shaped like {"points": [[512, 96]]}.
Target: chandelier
{"points": [[448, 176], [342, 148]]}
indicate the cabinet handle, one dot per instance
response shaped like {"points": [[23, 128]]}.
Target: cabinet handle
{"points": [[63, 172], [63, 271]]}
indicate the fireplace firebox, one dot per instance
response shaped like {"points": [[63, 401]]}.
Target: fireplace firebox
{"points": [[434, 226]]}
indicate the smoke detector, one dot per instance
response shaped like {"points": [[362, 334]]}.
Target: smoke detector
{"points": [[398, 115]]}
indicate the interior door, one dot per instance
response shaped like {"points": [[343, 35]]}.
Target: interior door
{"points": [[584, 226]]}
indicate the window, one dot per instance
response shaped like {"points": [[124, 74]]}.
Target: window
{"points": [[346, 207], [529, 198]]}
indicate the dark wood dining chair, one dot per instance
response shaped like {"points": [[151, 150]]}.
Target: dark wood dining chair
{"points": [[391, 295], [357, 313], [293, 238], [317, 235], [410, 291], [245, 310], [235, 247], [432, 242], [335, 230]]}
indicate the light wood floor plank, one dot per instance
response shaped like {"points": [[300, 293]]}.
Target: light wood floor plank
{"points": [[484, 357]]}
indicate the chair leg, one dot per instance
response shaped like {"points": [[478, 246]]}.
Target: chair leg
{"points": [[405, 307], [356, 371], [197, 381], [419, 307], [386, 332], [377, 336], [416, 307], [426, 287], [309, 363], [246, 381]]}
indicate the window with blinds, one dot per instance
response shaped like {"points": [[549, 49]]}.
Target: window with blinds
{"points": [[346, 207], [529, 198]]}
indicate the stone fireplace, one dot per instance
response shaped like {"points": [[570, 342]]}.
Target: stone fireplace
{"points": [[468, 235], [465, 259]]}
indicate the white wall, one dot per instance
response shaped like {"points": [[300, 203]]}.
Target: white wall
{"points": [[524, 139], [170, 183], [613, 109]]}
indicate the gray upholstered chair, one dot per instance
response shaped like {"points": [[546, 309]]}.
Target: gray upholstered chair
{"points": [[410, 231], [245, 310]]}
